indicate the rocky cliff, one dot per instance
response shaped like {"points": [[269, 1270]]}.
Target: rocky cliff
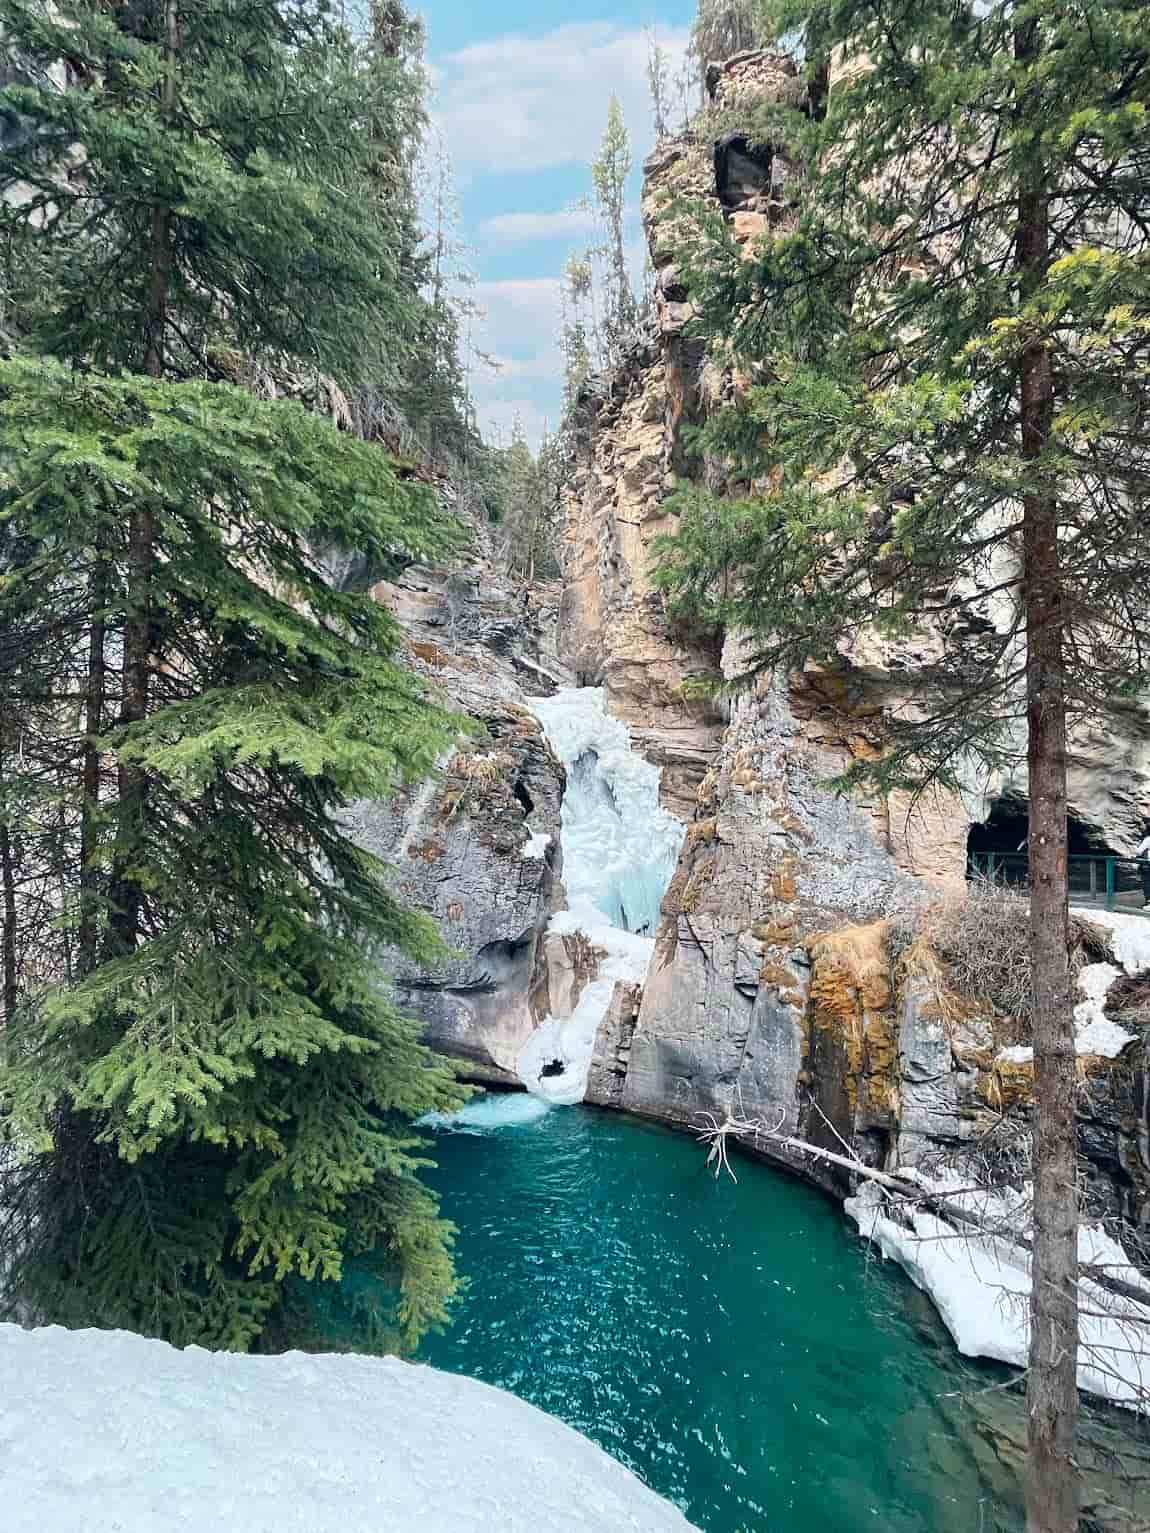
{"points": [[774, 992], [477, 847], [784, 986]]}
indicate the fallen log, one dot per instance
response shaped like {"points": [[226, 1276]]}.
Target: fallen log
{"points": [[939, 1204]]}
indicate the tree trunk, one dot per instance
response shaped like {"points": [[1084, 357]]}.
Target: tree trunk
{"points": [[8, 975], [1052, 1395], [94, 696], [126, 895]]}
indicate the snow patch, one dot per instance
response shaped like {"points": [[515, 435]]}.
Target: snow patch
{"points": [[555, 1061], [103, 1430], [627, 954], [1094, 1032], [1017, 1054], [536, 848], [980, 1285], [1130, 936]]}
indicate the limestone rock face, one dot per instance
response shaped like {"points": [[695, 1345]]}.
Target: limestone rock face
{"points": [[609, 1064], [612, 632], [771, 859], [770, 995], [772, 856], [477, 847]]}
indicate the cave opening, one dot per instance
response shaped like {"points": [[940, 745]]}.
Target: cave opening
{"points": [[1006, 828], [997, 850]]}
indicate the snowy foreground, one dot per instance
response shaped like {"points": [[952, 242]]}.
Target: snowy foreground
{"points": [[980, 1284], [104, 1431]]}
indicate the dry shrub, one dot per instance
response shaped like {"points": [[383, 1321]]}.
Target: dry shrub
{"points": [[981, 940], [483, 766]]}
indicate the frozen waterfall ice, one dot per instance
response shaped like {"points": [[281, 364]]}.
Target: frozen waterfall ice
{"points": [[620, 847]]}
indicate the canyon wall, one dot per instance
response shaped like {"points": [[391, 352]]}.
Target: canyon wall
{"points": [[773, 993], [477, 846], [781, 989]]}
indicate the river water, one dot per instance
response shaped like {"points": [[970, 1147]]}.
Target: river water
{"points": [[736, 1345], [733, 1344]]}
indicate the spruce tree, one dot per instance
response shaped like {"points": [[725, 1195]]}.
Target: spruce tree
{"points": [[207, 1091], [193, 181], [659, 85], [436, 396], [526, 488], [947, 427], [609, 173], [578, 335]]}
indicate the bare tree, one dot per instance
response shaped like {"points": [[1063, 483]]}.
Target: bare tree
{"points": [[659, 84]]}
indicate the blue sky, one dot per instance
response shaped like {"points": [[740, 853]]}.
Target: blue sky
{"points": [[521, 96]]}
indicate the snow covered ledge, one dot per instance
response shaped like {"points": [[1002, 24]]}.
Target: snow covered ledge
{"points": [[980, 1285], [980, 1281], [103, 1430]]}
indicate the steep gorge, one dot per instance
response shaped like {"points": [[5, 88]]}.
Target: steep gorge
{"points": [[777, 991], [773, 993]]}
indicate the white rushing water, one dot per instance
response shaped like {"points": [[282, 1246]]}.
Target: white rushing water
{"points": [[620, 847]]}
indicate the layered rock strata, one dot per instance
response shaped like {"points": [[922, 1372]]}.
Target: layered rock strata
{"points": [[477, 846], [772, 994]]}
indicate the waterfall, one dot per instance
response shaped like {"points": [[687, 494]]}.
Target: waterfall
{"points": [[620, 847]]}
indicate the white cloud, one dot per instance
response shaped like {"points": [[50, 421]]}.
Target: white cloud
{"points": [[544, 364], [498, 418], [532, 107], [521, 311], [522, 103], [520, 330], [538, 226]]}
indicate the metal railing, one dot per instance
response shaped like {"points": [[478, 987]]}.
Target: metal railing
{"points": [[1115, 883]]}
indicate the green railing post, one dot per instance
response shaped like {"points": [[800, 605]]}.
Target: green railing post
{"points": [[1110, 864], [1093, 880]]}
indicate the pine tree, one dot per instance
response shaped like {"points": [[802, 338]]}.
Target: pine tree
{"points": [[526, 492], [609, 173], [949, 355], [577, 336], [659, 85], [436, 395], [209, 1090], [193, 183]]}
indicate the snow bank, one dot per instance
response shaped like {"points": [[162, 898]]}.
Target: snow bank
{"points": [[1130, 936], [1094, 1032], [980, 1285], [111, 1433]]}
